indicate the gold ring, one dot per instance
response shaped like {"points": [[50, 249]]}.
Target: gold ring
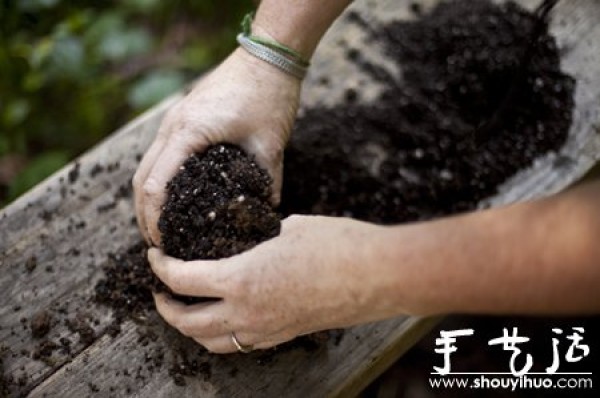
{"points": [[244, 349]]}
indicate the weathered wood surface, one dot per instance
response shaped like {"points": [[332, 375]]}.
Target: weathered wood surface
{"points": [[90, 218]]}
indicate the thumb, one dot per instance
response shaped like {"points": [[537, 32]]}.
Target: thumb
{"points": [[269, 156]]}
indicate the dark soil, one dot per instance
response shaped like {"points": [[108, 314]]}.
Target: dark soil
{"points": [[81, 325], [482, 95], [217, 206], [413, 154], [128, 284], [4, 391], [40, 324]]}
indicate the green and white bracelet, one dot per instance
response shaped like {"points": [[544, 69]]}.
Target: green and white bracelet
{"points": [[272, 52]]}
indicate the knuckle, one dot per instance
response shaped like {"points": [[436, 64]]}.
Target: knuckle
{"points": [[291, 223], [170, 317], [175, 278], [184, 327], [253, 321], [151, 187]]}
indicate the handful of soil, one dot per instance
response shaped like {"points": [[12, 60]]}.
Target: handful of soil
{"points": [[217, 205]]}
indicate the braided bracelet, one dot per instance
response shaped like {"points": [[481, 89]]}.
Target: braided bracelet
{"points": [[272, 52]]}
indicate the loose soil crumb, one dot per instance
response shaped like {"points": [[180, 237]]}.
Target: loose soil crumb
{"points": [[31, 264], [74, 173], [40, 324], [80, 324], [44, 350]]}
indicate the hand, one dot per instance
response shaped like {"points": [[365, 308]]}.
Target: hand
{"points": [[245, 101], [318, 274]]}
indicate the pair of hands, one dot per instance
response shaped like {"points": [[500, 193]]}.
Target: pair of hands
{"points": [[311, 277]]}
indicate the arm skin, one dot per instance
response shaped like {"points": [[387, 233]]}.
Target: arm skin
{"points": [[538, 257], [532, 258], [244, 101], [299, 24]]}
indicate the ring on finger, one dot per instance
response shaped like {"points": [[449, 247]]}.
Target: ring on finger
{"points": [[244, 349]]}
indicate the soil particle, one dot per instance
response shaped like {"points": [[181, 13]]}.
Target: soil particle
{"points": [[184, 368], [106, 207], [81, 325], [73, 175], [40, 324], [31, 264], [4, 392], [96, 169], [44, 351]]}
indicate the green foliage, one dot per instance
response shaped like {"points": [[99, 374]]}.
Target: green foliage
{"points": [[73, 71], [39, 168]]}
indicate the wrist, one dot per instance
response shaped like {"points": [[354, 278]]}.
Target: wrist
{"points": [[260, 70], [388, 271], [415, 259], [303, 45], [298, 25]]}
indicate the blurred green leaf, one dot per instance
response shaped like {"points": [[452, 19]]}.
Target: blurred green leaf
{"points": [[155, 86], [66, 59], [103, 25], [15, 112], [120, 44], [35, 5], [142, 5], [33, 81], [40, 52], [4, 146], [38, 169], [71, 72], [198, 56]]}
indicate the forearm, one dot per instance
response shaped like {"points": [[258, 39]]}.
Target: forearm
{"points": [[537, 257], [298, 24]]}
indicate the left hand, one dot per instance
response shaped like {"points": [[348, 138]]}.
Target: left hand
{"points": [[318, 274]]}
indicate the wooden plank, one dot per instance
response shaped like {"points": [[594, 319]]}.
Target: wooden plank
{"points": [[69, 229], [27, 231]]}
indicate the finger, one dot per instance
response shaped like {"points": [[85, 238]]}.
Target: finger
{"points": [[192, 278], [224, 344], [270, 157], [139, 178], [202, 319], [277, 175], [167, 164]]}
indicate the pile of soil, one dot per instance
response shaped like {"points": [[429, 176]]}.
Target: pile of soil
{"points": [[466, 115], [217, 206]]}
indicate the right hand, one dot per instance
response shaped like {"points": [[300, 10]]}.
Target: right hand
{"points": [[244, 101]]}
